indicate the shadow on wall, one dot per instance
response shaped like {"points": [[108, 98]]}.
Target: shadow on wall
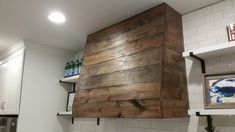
{"points": [[222, 124], [65, 123], [131, 125]]}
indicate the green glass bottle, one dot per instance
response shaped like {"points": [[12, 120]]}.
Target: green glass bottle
{"points": [[76, 67], [66, 70], [71, 65]]}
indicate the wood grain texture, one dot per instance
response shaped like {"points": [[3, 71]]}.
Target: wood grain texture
{"points": [[174, 77], [123, 92], [174, 30], [121, 109], [174, 108], [127, 37], [174, 88], [149, 73], [108, 37], [148, 57], [134, 69], [124, 50]]}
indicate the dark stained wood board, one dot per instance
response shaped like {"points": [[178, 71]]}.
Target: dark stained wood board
{"points": [[127, 37], [174, 83], [134, 69], [124, 50], [149, 73], [148, 57], [174, 96], [122, 92], [120, 109]]}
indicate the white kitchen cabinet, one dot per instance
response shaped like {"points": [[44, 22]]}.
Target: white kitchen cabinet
{"points": [[11, 71], [3, 82]]}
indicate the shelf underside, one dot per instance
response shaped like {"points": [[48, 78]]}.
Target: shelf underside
{"points": [[64, 113], [213, 51], [72, 79], [212, 111]]}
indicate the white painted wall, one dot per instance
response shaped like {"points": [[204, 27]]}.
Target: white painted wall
{"points": [[42, 96]]}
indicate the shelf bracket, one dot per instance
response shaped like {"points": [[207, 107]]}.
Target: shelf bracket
{"points": [[72, 120], [66, 82], [210, 127], [10, 116], [98, 121], [74, 85], [201, 60]]}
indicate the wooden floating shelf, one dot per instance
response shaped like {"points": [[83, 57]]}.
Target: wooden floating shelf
{"points": [[64, 113], [213, 111], [212, 51], [72, 79]]}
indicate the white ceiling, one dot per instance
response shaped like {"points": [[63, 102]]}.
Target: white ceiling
{"points": [[27, 19]]}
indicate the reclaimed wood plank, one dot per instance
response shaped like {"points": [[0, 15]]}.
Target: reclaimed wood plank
{"points": [[149, 73], [174, 77], [134, 69], [119, 109], [174, 108], [126, 37], [127, 24], [125, 50], [174, 30], [148, 90], [149, 57], [174, 89]]}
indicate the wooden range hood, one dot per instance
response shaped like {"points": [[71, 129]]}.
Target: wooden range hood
{"points": [[135, 69]]}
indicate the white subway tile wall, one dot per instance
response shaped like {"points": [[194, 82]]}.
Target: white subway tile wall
{"points": [[193, 124], [211, 30], [202, 28]]}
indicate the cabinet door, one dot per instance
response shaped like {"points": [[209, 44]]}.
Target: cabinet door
{"points": [[12, 77], [3, 86]]}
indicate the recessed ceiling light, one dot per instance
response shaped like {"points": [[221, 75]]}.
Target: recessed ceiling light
{"points": [[57, 17]]}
